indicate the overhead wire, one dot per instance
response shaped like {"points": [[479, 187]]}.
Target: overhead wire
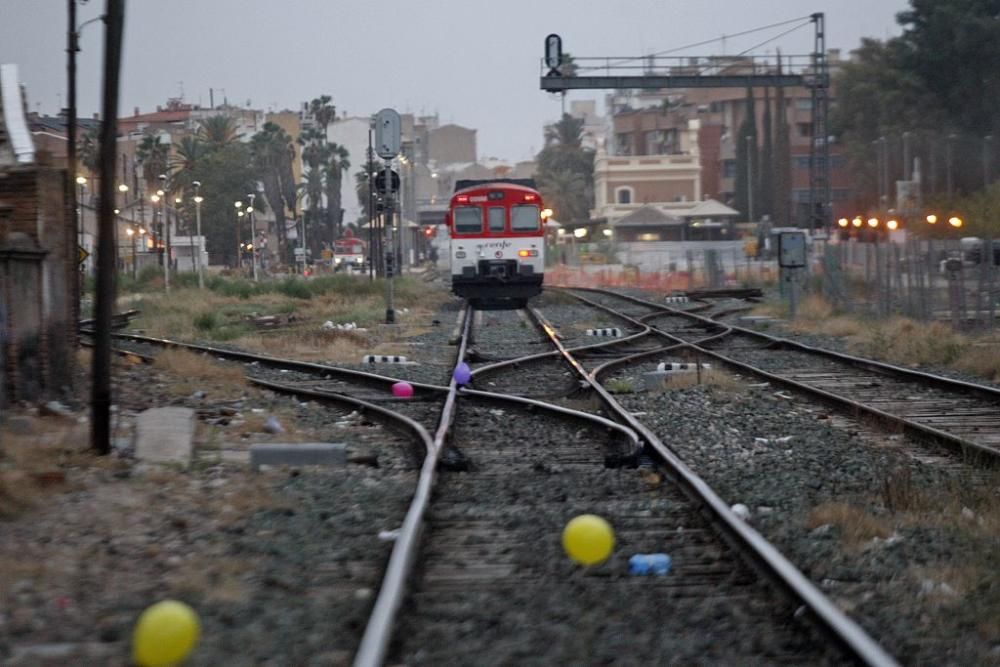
{"points": [[620, 61]]}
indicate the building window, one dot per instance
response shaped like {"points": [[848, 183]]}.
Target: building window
{"points": [[729, 168], [804, 129], [623, 195], [623, 144], [804, 104], [649, 236]]}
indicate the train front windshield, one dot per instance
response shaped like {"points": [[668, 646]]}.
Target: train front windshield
{"points": [[468, 220], [524, 218]]}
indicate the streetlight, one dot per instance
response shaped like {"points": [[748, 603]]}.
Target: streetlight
{"points": [[955, 221], [197, 215], [932, 219], [857, 221], [873, 222], [239, 235], [166, 226], [843, 222], [253, 236], [892, 225]]}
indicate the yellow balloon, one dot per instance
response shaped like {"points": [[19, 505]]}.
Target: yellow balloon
{"points": [[588, 539], [165, 634]]}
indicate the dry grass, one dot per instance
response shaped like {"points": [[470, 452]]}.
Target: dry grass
{"points": [[199, 372], [907, 342], [856, 526], [310, 344], [32, 463], [981, 359]]}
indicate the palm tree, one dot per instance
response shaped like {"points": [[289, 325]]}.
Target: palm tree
{"points": [[568, 132], [153, 157], [334, 177], [565, 192], [88, 151], [184, 162], [323, 112], [217, 131]]}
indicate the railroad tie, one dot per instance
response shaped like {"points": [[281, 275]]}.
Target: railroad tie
{"points": [[676, 299], [614, 332]]}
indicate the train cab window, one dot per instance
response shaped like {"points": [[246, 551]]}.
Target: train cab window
{"points": [[524, 218], [497, 218], [468, 219]]}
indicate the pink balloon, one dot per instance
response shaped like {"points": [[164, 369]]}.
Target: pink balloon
{"points": [[463, 374], [402, 390]]}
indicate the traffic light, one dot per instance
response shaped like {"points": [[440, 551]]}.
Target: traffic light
{"points": [[429, 232]]}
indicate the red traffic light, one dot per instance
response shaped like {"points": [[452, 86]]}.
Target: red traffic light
{"points": [[429, 232]]}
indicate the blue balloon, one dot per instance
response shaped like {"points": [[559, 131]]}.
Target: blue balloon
{"points": [[462, 374]]}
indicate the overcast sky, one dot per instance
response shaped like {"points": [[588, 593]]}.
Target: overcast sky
{"points": [[475, 63]]}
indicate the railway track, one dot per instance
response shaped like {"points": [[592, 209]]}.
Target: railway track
{"points": [[961, 415], [476, 575]]}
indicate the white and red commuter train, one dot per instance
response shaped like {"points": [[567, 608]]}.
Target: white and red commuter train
{"points": [[497, 242]]}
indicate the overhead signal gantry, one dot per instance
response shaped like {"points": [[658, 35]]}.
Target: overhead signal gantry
{"points": [[810, 71]]}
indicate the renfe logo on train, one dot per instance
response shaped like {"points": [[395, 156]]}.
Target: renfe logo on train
{"points": [[494, 244]]}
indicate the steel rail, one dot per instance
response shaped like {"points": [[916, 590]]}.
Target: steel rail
{"points": [[277, 362], [378, 631], [488, 369], [386, 415], [967, 448], [746, 540], [984, 391]]}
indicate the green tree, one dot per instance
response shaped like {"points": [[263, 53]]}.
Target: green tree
{"points": [[226, 176], [217, 131], [565, 173], [153, 156], [271, 151], [184, 162], [88, 151]]}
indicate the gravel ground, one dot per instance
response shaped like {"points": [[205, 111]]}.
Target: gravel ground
{"points": [[494, 588], [281, 565], [908, 548]]}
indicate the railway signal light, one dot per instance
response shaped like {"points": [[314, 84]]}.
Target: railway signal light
{"points": [[429, 232]]}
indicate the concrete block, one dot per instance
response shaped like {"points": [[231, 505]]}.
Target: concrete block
{"points": [[613, 332], [384, 359], [680, 366], [298, 454], [165, 435]]}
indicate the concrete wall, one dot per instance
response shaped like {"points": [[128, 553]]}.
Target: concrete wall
{"points": [[38, 274]]}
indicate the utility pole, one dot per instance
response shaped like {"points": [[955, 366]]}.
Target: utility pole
{"points": [[100, 434], [749, 139], [71, 203]]}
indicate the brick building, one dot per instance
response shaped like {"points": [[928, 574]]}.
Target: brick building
{"points": [[38, 305]]}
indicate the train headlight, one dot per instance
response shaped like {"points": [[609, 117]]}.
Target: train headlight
{"points": [[527, 253], [337, 260]]}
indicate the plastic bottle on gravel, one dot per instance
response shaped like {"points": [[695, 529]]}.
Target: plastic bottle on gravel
{"points": [[649, 564]]}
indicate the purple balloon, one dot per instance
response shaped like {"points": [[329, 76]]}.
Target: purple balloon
{"points": [[462, 374]]}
